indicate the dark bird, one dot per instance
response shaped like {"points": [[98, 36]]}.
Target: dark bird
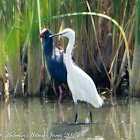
{"points": [[55, 59]]}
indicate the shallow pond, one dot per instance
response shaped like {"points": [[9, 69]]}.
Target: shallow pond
{"points": [[36, 118]]}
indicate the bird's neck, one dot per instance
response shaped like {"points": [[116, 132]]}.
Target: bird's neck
{"points": [[69, 51], [48, 47]]}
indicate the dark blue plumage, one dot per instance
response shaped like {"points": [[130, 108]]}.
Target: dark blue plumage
{"points": [[55, 59]]}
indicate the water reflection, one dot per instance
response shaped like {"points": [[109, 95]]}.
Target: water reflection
{"points": [[36, 118]]}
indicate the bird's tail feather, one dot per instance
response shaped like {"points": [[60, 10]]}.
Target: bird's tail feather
{"points": [[98, 102]]}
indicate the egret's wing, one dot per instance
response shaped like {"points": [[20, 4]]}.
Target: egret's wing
{"points": [[84, 87]]}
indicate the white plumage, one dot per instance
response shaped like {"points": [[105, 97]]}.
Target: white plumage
{"points": [[80, 83], [83, 87]]}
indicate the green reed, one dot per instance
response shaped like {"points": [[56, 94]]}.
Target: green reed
{"points": [[22, 21]]}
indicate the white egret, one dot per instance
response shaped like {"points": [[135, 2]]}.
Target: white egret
{"points": [[79, 82]]}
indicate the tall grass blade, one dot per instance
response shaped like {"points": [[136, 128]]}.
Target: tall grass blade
{"points": [[34, 53], [98, 44]]}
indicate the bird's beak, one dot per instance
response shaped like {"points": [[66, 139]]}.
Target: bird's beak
{"points": [[54, 35], [57, 34], [41, 36]]}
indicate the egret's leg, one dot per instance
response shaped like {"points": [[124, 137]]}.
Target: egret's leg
{"points": [[76, 115], [60, 94], [90, 114]]}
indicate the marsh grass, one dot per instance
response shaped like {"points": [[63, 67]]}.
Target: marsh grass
{"points": [[21, 22]]}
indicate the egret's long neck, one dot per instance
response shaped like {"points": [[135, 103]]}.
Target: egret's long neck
{"points": [[69, 50]]}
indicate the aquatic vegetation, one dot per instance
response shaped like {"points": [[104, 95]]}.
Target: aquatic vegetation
{"points": [[101, 48]]}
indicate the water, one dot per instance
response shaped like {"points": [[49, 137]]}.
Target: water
{"points": [[36, 118]]}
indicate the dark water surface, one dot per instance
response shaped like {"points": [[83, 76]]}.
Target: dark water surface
{"points": [[36, 118]]}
